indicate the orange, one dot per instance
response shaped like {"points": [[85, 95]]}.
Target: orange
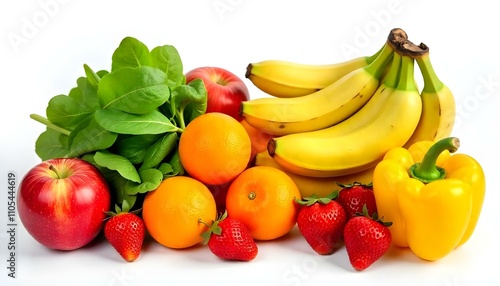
{"points": [[258, 138], [171, 213], [214, 148], [263, 198]]}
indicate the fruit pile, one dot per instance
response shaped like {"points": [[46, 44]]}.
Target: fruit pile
{"points": [[347, 152]]}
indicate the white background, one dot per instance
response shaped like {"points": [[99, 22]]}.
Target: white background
{"points": [[45, 43]]}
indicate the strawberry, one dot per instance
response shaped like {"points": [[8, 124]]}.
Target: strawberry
{"points": [[321, 222], [366, 239], [228, 238], [354, 196], [125, 231]]}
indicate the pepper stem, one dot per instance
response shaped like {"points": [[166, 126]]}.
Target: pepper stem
{"points": [[427, 171]]}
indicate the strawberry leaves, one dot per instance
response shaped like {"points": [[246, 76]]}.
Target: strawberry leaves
{"points": [[311, 200], [213, 229], [374, 217]]}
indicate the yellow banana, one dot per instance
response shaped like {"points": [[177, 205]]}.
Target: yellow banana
{"points": [[278, 89], [362, 148], [438, 105], [328, 106], [365, 114], [312, 185], [290, 79]]}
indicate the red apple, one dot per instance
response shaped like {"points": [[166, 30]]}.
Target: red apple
{"points": [[225, 90], [62, 203]]}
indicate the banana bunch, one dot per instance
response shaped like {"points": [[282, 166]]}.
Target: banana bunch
{"points": [[372, 104]]}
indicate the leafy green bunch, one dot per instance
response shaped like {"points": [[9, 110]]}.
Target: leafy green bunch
{"points": [[126, 121]]}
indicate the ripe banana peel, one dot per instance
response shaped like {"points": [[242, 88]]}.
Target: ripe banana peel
{"points": [[312, 185], [438, 104], [289, 79], [278, 89]]}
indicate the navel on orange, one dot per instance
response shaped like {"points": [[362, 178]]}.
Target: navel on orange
{"points": [[264, 199]]}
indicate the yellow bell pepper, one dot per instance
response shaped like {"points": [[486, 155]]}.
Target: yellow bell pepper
{"points": [[433, 198]]}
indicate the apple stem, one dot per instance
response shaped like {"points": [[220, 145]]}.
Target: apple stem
{"points": [[53, 169]]}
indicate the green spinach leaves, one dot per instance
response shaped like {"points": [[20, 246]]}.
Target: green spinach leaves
{"points": [[126, 121]]}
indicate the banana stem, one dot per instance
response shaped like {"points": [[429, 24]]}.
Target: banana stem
{"points": [[408, 48], [407, 73], [373, 57], [396, 37], [377, 67], [432, 83], [391, 79]]}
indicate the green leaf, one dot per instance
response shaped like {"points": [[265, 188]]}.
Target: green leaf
{"points": [[118, 186], [66, 112], [117, 163], [166, 169], [173, 166], [135, 147], [160, 150], [191, 99], [130, 53], [125, 207], [135, 90], [50, 144], [92, 77], [117, 121], [151, 179], [102, 73], [168, 110], [175, 163], [64, 141], [116, 182], [89, 136], [85, 94], [167, 59], [89, 157]]}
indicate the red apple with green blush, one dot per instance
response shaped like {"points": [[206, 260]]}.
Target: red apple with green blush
{"points": [[62, 203]]}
